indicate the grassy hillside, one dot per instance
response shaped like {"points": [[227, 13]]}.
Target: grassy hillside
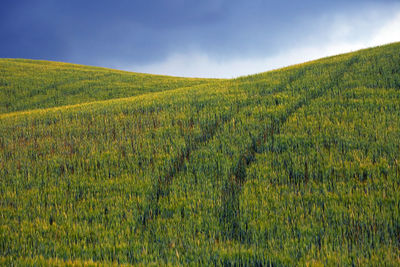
{"points": [[31, 84], [291, 167]]}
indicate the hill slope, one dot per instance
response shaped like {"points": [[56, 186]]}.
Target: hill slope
{"points": [[31, 84], [295, 166]]}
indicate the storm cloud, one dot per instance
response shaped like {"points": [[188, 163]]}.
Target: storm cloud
{"points": [[211, 38]]}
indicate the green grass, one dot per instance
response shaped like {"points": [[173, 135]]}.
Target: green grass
{"points": [[298, 166], [31, 84]]}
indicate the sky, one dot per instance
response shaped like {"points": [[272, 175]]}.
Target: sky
{"points": [[193, 38]]}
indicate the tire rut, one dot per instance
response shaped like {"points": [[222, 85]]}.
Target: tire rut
{"points": [[230, 206]]}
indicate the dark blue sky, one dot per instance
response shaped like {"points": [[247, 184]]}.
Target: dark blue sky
{"points": [[192, 37]]}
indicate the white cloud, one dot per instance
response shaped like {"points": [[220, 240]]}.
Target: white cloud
{"points": [[345, 34], [389, 33]]}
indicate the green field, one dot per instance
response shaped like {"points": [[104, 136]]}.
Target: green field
{"points": [[296, 166]]}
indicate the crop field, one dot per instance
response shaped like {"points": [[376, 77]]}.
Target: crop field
{"points": [[296, 166], [31, 84]]}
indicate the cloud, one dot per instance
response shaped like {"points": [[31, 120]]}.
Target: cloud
{"points": [[212, 38], [389, 33], [337, 34]]}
